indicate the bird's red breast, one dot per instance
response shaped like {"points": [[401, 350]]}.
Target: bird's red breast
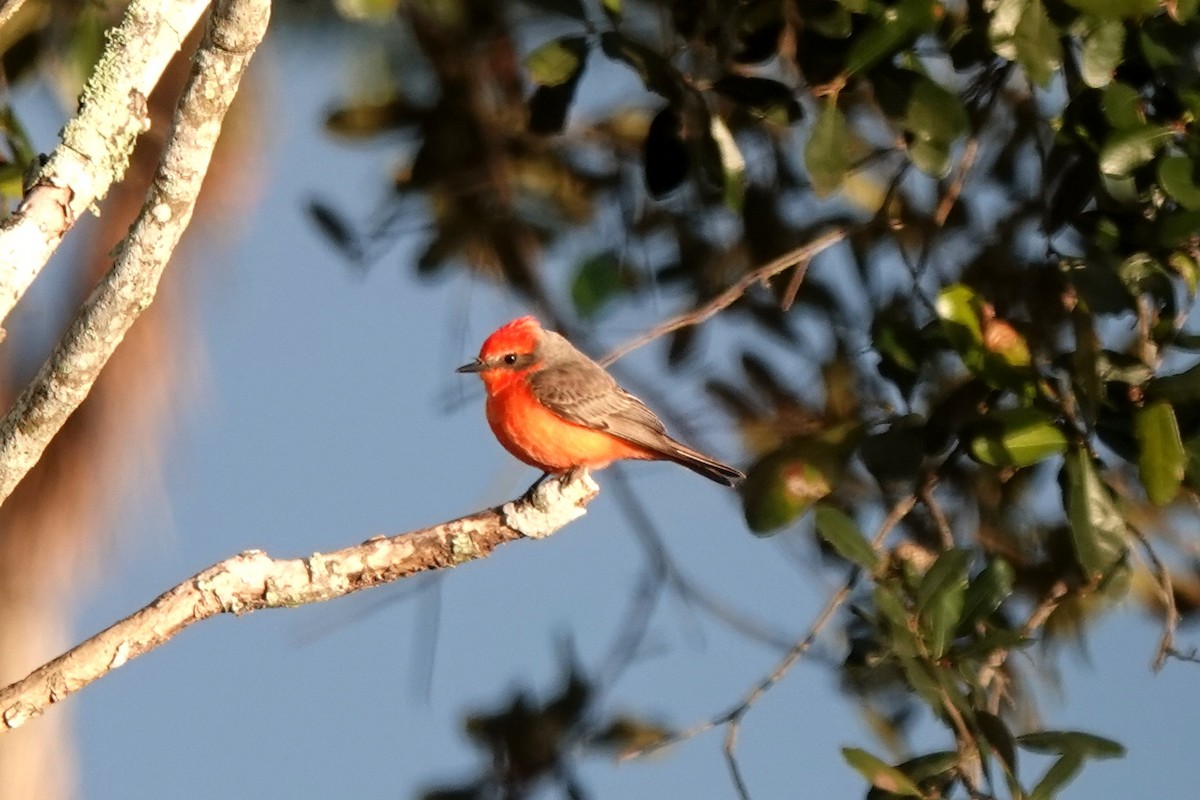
{"points": [[541, 438]]}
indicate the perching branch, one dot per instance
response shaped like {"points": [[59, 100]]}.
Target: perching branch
{"points": [[235, 29], [253, 580], [95, 144]]}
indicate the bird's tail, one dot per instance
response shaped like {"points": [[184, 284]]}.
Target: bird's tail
{"points": [[699, 463]]}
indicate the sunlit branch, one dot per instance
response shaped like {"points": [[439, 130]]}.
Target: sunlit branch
{"points": [[95, 144], [253, 580], [234, 30]]}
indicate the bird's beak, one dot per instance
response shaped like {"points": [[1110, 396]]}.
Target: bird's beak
{"points": [[475, 366]]}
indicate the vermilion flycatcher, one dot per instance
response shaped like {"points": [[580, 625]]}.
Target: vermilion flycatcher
{"points": [[555, 409]]}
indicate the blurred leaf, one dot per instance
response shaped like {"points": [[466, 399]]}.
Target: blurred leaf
{"points": [[769, 98], [826, 155], [931, 115], [1115, 9], [626, 734], [336, 229], [1088, 745], [1061, 772], [1182, 387], [844, 536], [1161, 457], [1177, 176], [1123, 106], [656, 72], [568, 8], [895, 455], [898, 25], [375, 11], [986, 592], [597, 281], [1097, 528], [1130, 148], [1017, 437], [940, 598], [665, 156], [1103, 50], [1020, 31], [612, 8], [1000, 738], [880, 774], [557, 61]]}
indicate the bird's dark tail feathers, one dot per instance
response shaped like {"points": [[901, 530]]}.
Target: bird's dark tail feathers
{"points": [[701, 464]]}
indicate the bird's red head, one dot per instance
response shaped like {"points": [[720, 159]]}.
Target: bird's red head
{"points": [[508, 353]]}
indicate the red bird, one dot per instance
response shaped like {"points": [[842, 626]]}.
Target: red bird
{"points": [[555, 409]]}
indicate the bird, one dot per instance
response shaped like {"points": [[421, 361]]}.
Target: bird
{"points": [[556, 409]]}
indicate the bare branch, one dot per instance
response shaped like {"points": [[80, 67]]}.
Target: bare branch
{"points": [[235, 29], [798, 258], [253, 580], [95, 144]]}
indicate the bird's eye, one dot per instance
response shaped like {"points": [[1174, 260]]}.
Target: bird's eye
{"points": [[510, 358]]}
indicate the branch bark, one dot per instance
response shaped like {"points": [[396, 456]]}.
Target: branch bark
{"points": [[252, 580], [235, 29], [95, 144]]}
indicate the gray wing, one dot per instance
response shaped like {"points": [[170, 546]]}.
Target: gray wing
{"points": [[583, 393]]}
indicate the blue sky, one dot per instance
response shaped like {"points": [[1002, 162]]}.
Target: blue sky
{"points": [[320, 418]]}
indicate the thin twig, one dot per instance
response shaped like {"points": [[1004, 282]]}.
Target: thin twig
{"points": [[733, 716], [798, 257], [1166, 645]]}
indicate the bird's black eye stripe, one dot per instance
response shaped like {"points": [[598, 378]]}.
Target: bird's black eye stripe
{"points": [[510, 358]]}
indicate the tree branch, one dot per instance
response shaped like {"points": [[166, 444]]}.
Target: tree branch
{"points": [[95, 144], [798, 257], [253, 580], [235, 29]]}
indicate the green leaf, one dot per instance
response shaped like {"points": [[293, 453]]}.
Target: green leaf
{"points": [[1021, 31], [1130, 148], [986, 592], [894, 29], [1061, 772], [880, 774], [844, 536], [959, 306], [612, 8], [557, 61], [1000, 738], [935, 119], [1177, 177], [1115, 9], [598, 280], [1161, 458], [1088, 745], [784, 484], [1103, 49], [1122, 106], [939, 599], [1017, 437], [826, 155], [1097, 528]]}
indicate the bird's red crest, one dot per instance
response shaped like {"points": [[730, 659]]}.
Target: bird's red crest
{"points": [[519, 336]]}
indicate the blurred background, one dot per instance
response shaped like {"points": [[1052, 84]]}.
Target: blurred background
{"points": [[396, 180]]}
